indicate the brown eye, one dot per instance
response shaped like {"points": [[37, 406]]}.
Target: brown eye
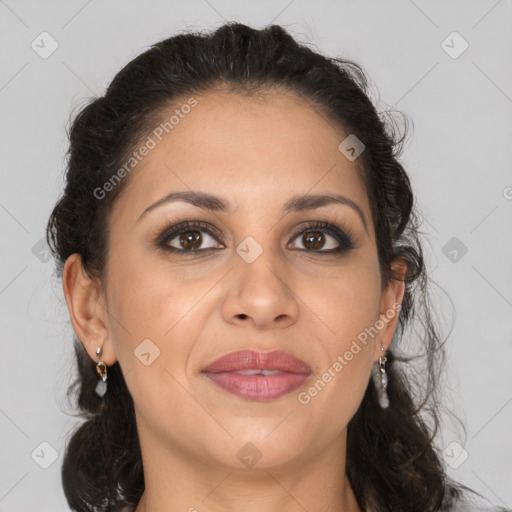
{"points": [[328, 239], [189, 238], [191, 241], [313, 240]]}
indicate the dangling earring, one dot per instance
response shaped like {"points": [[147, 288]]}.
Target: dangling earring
{"points": [[383, 384], [101, 368]]}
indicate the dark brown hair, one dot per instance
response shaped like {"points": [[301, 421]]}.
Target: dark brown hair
{"points": [[392, 462]]}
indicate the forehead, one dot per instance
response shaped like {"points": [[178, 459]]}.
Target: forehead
{"points": [[255, 151]]}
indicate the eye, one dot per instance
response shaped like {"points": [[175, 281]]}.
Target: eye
{"points": [[188, 238], [316, 235]]}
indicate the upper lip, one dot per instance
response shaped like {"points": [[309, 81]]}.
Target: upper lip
{"points": [[252, 359]]}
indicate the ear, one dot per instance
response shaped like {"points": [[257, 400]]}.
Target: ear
{"points": [[391, 302], [87, 310]]}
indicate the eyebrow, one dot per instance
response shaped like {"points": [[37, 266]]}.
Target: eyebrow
{"points": [[300, 203]]}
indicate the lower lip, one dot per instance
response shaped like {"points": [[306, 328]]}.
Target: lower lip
{"points": [[258, 387]]}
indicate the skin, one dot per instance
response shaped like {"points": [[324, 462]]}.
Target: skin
{"points": [[255, 153]]}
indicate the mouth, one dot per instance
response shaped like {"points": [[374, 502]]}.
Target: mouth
{"points": [[260, 376]]}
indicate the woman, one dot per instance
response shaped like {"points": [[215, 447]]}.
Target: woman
{"points": [[240, 258]]}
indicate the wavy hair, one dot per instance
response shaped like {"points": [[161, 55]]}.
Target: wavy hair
{"points": [[392, 461]]}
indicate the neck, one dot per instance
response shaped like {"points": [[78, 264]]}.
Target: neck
{"points": [[176, 479]]}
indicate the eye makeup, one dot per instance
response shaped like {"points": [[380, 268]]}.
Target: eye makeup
{"points": [[197, 229]]}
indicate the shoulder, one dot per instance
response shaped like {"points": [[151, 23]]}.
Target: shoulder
{"points": [[464, 506], [462, 502]]}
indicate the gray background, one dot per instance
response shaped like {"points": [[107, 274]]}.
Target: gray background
{"points": [[458, 157]]}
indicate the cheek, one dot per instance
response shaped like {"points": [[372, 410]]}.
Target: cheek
{"points": [[346, 347], [344, 304], [147, 307], [147, 293], [345, 310], [154, 332]]}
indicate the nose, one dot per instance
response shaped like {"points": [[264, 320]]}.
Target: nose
{"points": [[261, 294]]}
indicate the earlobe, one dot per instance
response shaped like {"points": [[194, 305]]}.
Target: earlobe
{"points": [[87, 312]]}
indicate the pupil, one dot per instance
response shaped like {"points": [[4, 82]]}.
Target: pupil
{"points": [[316, 239], [190, 239]]}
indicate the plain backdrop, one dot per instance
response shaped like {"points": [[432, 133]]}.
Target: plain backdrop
{"points": [[444, 64]]}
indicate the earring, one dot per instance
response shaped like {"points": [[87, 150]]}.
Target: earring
{"points": [[383, 384], [101, 368]]}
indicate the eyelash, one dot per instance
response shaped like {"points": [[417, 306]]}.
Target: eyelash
{"points": [[344, 238]]}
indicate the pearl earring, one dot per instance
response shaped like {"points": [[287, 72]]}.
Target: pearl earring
{"points": [[381, 381], [101, 368]]}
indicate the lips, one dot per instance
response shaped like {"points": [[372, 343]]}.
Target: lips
{"points": [[258, 375], [252, 360]]}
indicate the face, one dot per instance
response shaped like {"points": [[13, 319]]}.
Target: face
{"points": [[245, 274]]}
